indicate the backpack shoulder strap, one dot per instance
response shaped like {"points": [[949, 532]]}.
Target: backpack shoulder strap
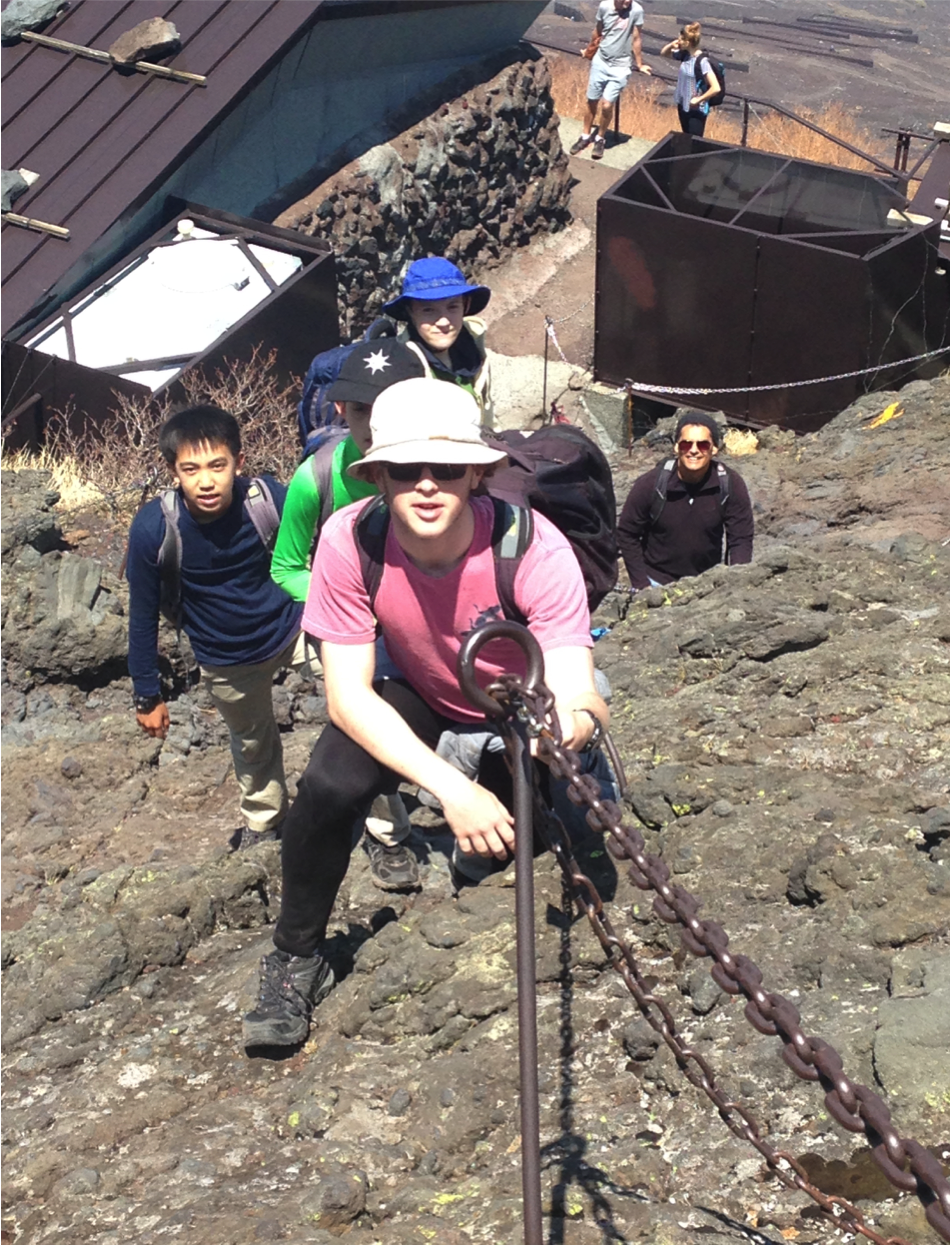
{"points": [[262, 512], [170, 558], [418, 352], [373, 523], [322, 463], [659, 499], [723, 479], [513, 530]]}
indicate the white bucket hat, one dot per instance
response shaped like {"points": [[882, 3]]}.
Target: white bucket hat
{"points": [[423, 420]]}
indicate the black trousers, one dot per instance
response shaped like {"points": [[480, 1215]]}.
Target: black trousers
{"points": [[692, 122], [338, 786]]}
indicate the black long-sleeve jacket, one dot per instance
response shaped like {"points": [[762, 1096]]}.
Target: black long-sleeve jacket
{"points": [[688, 535]]}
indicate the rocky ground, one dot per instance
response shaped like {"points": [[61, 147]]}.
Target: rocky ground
{"points": [[784, 728]]}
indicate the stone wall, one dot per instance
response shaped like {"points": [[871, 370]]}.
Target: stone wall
{"points": [[478, 176]]}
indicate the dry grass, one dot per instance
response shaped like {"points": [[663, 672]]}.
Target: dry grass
{"points": [[647, 112], [116, 464], [76, 493]]}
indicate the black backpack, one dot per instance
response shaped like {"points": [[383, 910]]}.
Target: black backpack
{"points": [[261, 510], [664, 473], [316, 417], [561, 473], [701, 82]]}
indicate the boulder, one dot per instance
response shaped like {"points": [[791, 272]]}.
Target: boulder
{"points": [[149, 41]]}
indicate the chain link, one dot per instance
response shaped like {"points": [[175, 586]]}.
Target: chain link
{"points": [[853, 1105], [762, 389], [571, 315]]}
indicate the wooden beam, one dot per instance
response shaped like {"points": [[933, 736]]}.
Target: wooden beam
{"points": [[142, 67], [29, 222]]}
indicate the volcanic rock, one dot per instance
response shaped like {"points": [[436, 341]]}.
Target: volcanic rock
{"points": [[784, 729]]}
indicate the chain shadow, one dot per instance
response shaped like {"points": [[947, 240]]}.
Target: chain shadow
{"points": [[568, 1151]]}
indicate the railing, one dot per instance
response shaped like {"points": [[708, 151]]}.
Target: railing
{"points": [[898, 169]]}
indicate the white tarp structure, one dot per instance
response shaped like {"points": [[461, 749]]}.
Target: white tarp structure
{"points": [[173, 302]]}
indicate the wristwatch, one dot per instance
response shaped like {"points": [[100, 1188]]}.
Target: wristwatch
{"points": [[596, 736], [145, 705]]}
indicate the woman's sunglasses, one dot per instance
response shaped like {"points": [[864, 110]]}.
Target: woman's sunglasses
{"points": [[703, 446], [406, 473]]}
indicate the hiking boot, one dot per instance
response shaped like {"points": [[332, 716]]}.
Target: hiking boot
{"points": [[291, 987], [244, 838], [580, 143], [391, 868], [597, 151]]}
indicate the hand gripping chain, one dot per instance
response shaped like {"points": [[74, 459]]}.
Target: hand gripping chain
{"points": [[907, 1165]]}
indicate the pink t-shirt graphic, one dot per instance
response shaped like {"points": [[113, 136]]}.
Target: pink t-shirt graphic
{"points": [[426, 618]]}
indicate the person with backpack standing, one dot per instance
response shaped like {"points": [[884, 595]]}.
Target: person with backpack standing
{"points": [[697, 83], [321, 485], [676, 515], [439, 310], [201, 555], [422, 563], [617, 38]]}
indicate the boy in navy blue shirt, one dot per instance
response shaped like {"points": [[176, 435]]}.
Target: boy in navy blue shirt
{"points": [[243, 628]]}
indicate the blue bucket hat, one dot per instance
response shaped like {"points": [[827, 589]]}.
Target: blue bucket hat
{"points": [[435, 278]]}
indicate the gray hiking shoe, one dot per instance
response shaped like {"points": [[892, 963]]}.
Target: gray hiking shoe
{"points": [[597, 150], [244, 838], [291, 987], [580, 143], [392, 868]]}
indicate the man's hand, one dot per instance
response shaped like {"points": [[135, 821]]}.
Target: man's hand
{"points": [[577, 728], [644, 69], [477, 818], [156, 722]]}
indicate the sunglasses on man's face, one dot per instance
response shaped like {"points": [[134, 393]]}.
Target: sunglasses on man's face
{"points": [[406, 473], [704, 447]]}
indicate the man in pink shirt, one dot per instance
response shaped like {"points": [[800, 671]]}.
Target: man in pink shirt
{"points": [[436, 584]]}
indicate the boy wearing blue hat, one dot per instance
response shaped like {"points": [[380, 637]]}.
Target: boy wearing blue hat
{"points": [[439, 308]]}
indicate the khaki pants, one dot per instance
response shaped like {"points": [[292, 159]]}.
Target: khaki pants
{"points": [[242, 695]]}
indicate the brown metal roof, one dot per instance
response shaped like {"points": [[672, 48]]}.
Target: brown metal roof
{"points": [[103, 141]]}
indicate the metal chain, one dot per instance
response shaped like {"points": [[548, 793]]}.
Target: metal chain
{"points": [[853, 1105], [550, 330], [761, 389], [571, 315]]}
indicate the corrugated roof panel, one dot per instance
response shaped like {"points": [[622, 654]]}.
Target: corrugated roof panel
{"points": [[102, 140]]}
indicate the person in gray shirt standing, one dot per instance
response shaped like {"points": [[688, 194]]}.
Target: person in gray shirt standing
{"points": [[619, 28]]}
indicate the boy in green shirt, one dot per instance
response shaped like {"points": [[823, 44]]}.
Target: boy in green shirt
{"points": [[367, 371]]}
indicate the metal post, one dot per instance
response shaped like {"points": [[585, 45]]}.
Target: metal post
{"points": [[746, 121], [617, 119], [525, 960], [905, 149], [548, 321], [520, 757]]}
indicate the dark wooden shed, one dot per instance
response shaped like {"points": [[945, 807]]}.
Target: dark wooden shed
{"points": [[722, 266]]}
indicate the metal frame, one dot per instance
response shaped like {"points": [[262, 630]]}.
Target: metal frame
{"points": [[299, 318]]}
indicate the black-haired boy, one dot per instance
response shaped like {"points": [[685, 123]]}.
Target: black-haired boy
{"points": [[243, 628]]}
